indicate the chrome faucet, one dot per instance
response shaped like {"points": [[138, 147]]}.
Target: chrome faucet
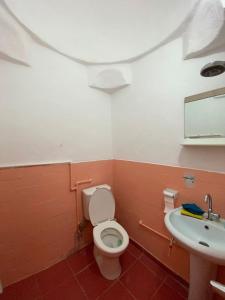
{"points": [[210, 214]]}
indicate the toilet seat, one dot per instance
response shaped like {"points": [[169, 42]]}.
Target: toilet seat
{"points": [[98, 237]]}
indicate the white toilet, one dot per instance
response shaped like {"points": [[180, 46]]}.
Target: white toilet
{"points": [[110, 238]]}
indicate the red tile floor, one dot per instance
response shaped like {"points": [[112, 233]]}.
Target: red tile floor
{"points": [[78, 278]]}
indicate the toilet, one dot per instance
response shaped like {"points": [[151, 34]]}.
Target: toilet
{"points": [[110, 238]]}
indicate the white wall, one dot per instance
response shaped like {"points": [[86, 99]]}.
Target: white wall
{"points": [[48, 113], [148, 115]]}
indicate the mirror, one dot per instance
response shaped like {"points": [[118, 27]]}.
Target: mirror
{"points": [[204, 116]]}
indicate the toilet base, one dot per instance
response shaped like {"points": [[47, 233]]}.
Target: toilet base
{"points": [[109, 267]]}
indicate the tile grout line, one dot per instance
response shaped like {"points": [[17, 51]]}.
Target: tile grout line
{"points": [[163, 281], [178, 293], [168, 271], [131, 265], [82, 289], [51, 290], [130, 293], [135, 259], [183, 286], [76, 279], [149, 269], [159, 287], [108, 288], [166, 276], [153, 272], [83, 269], [60, 284]]}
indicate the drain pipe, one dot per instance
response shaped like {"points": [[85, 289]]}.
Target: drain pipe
{"points": [[75, 188]]}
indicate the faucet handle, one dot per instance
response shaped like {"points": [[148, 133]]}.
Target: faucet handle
{"points": [[214, 216]]}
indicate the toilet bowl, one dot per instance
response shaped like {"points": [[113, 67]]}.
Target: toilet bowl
{"points": [[110, 238]]}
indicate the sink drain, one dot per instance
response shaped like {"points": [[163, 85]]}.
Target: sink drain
{"points": [[203, 244]]}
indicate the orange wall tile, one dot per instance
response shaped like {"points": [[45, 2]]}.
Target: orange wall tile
{"points": [[37, 213], [138, 189]]}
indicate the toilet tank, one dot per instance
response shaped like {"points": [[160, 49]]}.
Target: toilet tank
{"points": [[86, 196]]}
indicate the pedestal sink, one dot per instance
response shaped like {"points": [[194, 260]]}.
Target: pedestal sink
{"points": [[205, 240]]}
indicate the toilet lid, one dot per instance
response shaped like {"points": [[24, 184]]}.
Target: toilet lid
{"points": [[101, 206]]}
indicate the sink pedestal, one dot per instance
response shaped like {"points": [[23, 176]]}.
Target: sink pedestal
{"points": [[201, 272]]}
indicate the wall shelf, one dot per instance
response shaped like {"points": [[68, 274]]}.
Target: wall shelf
{"points": [[203, 142]]}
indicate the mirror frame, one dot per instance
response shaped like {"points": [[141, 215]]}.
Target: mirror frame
{"points": [[217, 141]]}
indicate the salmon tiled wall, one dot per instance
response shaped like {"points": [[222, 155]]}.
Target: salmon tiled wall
{"points": [[37, 210], [37, 215], [138, 190]]}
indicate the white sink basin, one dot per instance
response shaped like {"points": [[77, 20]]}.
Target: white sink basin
{"points": [[201, 237]]}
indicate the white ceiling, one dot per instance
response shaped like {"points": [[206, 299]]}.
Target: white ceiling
{"points": [[102, 31]]}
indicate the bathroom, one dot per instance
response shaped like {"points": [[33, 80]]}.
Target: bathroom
{"points": [[97, 94]]}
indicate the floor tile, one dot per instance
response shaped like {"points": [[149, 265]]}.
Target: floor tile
{"points": [[92, 281], [175, 284], [80, 260], [165, 292], [153, 266], [117, 291], [49, 279], [140, 281], [24, 290], [134, 249], [126, 260], [142, 278], [69, 290]]}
